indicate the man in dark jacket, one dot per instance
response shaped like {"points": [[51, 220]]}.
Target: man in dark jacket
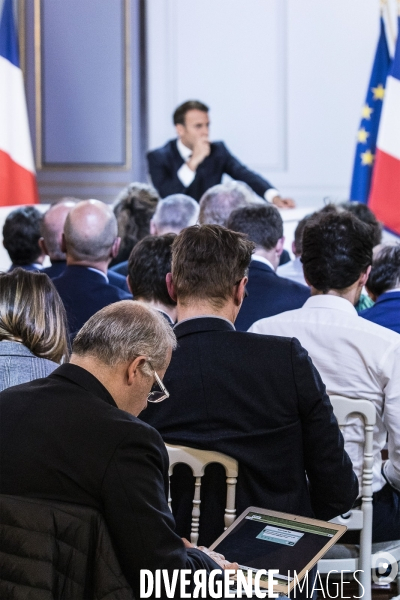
{"points": [[90, 241], [257, 399], [268, 294], [75, 437], [192, 164]]}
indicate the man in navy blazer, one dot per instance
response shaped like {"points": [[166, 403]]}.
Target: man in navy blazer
{"points": [[192, 164], [268, 294], [258, 399], [90, 242], [384, 286]]}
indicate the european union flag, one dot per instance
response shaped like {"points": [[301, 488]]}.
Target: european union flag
{"points": [[370, 116]]}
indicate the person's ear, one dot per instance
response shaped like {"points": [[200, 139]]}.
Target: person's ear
{"points": [[42, 246], [294, 248], [115, 247], [153, 228], [128, 283], [364, 277], [279, 246], [63, 244], [180, 129], [134, 369], [240, 291], [171, 287]]}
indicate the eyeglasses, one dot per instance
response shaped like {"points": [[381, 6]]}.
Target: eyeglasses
{"points": [[158, 392]]}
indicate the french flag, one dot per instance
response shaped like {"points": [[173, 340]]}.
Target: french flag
{"points": [[384, 199], [17, 171]]}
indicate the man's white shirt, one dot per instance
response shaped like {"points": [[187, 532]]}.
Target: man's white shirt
{"points": [[356, 359], [292, 270], [186, 175]]}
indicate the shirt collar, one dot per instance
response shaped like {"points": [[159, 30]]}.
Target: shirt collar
{"points": [[98, 271], [262, 260], [393, 290], [183, 150], [331, 302]]}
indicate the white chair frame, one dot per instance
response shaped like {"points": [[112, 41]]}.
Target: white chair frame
{"points": [[197, 460], [359, 519]]}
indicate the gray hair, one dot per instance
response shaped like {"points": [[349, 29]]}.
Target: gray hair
{"points": [[175, 212], [123, 331], [219, 201]]}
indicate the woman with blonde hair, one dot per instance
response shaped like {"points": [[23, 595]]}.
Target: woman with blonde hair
{"points": [[33, 337]]}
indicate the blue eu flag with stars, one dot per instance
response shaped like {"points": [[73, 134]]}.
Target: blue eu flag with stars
{"points": [[370, 115]]}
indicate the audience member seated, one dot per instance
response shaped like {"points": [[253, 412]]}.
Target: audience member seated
{"points": [[173, 214], [356, 358], [294, 269], [134, 209], [257, 399], [74, 437], [52, 228], [21, 234], [384, 286], [90, 241], [219, 201], [33, 336], [268, 294], [365, 214], [149, 263], [51, 241]]}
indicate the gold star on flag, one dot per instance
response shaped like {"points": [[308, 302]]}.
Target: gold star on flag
{"points": [[362, 135], [366, 112], [378, 92], [367, 158]]}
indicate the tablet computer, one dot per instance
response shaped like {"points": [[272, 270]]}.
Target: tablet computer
{"points": [[265, 539]]}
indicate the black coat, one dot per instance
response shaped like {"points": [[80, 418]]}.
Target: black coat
{"points": [[58, 267], [165, 162], [63, 438], [83, 293], [268, 295], [260, 400]]}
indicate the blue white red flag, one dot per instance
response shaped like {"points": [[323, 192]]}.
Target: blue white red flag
{"points": [[17, 172], [370, 117]]}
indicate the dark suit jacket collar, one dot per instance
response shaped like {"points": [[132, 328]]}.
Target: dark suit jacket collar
{"points": [[260, 266], [84, 379], [201, 324]]}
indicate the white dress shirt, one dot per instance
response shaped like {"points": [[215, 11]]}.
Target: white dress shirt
{"points": [[261, 259], [292, 270], [186, 175], [356, 359]]}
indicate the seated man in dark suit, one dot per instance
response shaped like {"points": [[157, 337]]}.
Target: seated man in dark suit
{"points": [[383, 286], [148, 265], [21, 234], [192, 164], [89, 241], [268, 294], [74, 436], [258, 400], [52, 228]]}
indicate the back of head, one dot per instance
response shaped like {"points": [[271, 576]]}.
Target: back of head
{"points": [[365, 214], [149, 263], [123, 331], [31, 312], [298, 235], [207, 262], [219, 201], [21, 233], [337, 249], [134, 209], [262, 224], [90, 230], [53, 226], [174, 213], [182, 109], [385, 272]]}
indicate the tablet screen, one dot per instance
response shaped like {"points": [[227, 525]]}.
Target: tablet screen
{"points": [[262, 541]]}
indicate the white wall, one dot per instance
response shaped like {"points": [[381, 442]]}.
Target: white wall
{"points": [[285, 80]]}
